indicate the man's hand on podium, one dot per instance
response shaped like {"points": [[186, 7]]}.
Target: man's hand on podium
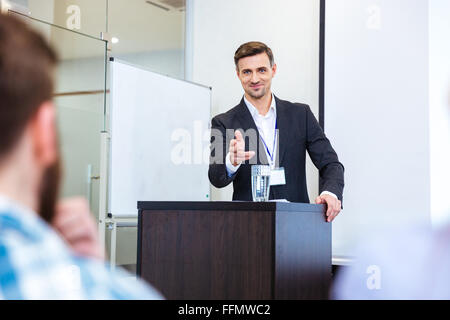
{"points": [[237, 150], [333, 205]]}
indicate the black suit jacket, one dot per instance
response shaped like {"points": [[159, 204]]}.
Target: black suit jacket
{"points": [[299, 132]]}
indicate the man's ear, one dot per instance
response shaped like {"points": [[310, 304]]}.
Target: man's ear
{"points": [[274, 70], [43, 129]]}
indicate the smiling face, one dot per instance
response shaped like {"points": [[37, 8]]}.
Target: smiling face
{"points": [[255, 74]]}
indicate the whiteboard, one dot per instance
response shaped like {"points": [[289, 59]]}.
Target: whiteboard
{"points": [[376, 114], [159, 139]]}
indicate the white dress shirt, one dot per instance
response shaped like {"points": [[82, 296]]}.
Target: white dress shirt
{"points": [[266, 128]]}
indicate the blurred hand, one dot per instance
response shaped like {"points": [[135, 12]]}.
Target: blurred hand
{"points": [[333, 205], [237, 150], [74, 222]]}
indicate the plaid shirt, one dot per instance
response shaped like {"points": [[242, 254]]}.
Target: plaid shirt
{"points": [[35, 263]]}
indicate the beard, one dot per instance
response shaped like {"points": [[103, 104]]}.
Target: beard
{"points": [[49, 191], [258, 94]]}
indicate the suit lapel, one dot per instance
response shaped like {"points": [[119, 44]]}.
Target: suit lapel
{"points": [[283, 124], [247, 122], [245, 117]]}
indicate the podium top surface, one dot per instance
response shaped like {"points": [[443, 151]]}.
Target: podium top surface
{"points": [[230, 205]]}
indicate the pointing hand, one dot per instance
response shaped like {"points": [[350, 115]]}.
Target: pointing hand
{"points": [[237, 150]]}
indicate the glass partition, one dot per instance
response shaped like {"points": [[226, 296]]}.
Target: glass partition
{"points": [[146, 33], [150, 34], [86, 16], [80, 101]]}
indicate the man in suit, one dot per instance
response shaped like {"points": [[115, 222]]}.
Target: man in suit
{"points": [[277, 132]]}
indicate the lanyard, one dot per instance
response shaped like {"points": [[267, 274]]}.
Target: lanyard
{"points": [[271, 155]]}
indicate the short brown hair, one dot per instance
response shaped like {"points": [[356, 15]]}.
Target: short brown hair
{"points": [[251, 49], [26, 78]]}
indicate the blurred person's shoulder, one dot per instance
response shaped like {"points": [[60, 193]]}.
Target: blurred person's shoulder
{"points": [[101, 282], [35, 263], [31, 256]]}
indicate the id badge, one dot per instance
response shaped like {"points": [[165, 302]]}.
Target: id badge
{"points": [[277, 177]]}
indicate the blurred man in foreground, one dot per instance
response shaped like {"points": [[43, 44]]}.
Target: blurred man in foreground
{"points": [[47, 250]]}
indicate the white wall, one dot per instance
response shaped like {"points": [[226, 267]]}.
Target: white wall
{"points": [[167, 62], [439, 32], [289, 27], [45, 11], [42, 10], [376, 108]]}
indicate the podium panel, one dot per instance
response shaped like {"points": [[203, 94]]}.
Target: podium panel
{"points": [[234, 250]]}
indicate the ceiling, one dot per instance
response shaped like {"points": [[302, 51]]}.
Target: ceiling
{"points": [[140, 26]]}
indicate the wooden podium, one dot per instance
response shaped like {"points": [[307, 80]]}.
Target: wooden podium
{"points": [[235, 250]]}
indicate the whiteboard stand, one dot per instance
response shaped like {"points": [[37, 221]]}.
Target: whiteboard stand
{"points": [[103, 197], [113, 224]]}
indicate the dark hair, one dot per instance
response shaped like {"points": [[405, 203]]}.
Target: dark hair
{"points": [[251, 49], [26, 78]]}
